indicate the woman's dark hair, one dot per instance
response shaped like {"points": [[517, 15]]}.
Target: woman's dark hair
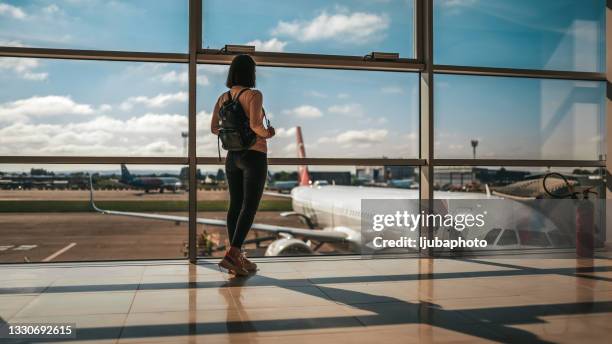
{"points": [[241, 72]]}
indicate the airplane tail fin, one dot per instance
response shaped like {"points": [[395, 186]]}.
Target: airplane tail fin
{"points": [[126, 176], [304, 177]]}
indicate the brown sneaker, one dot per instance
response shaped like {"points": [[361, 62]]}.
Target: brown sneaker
{"points": [[233, 263], [247, 264]]}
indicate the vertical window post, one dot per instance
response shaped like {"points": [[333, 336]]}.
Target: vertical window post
{"points": [[424, 43], [195, 42], [608, 119]]}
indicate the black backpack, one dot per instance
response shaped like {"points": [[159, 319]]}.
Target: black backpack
{"points": [[235, 132]]}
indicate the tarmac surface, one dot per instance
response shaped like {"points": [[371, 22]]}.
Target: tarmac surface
{"points": [[44, 236], [37, 237]]}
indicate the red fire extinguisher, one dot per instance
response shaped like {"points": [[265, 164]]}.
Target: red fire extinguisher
{"points": [[585, 213]]}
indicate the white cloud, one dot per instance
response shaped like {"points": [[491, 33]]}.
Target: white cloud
{"points": [[343, 95], [149, 134], [173, 76], [181, 78], [105, 108], [12, 11], [360, 138], [304, 111], [351, 110], [273, 44], [214, 69], [158, 101], [290, 148], [285, 133], [22, 109], [356, 27], [23, 67]]}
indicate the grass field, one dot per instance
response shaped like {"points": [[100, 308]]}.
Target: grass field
{"points": [[74, 206]]}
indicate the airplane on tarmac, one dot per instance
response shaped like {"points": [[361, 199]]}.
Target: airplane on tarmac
{"points": [[149, 183], [333, 215], [281, 186]]}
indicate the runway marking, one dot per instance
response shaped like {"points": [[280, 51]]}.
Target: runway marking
{"points": [[53, 256], [5, 247], [24, 247]]}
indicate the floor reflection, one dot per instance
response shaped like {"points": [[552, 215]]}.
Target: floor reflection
{"points": [[426, 300]]}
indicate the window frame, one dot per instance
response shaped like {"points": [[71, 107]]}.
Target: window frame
{"points": [[422, 64]]}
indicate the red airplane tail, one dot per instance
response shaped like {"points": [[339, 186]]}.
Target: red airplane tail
{"points": [[304, 177]]}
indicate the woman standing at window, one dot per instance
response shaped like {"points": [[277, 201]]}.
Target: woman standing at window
{"points": [[246, 170]]}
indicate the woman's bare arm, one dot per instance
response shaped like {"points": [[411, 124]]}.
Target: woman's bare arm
{"points": [[256, 115]]}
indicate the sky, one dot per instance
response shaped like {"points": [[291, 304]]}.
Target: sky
{"points": [[63, 107]]}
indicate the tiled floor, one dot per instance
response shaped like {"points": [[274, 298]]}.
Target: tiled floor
{"points": [[325, 300]]}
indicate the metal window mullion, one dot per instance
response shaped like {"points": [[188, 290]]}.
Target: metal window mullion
{"points": [[93, 160], [519, 73], [320, 61], [325, 161], [519, 163], [426, 120], [195, 32], [608, 119], [101, 55]]}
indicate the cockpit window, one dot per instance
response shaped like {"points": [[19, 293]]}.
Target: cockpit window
{"points": [[492, 235], [508, 238]]}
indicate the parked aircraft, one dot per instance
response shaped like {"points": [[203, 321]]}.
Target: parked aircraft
{"points": [[333, 214], [149, 183]]}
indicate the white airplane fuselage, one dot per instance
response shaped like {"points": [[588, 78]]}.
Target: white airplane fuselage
{"points": [[338, 209]]}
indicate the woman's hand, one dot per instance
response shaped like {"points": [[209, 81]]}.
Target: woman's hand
{"points": [[271, 132]]}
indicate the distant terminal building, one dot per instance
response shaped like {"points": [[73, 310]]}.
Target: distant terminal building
{"points": [[15, 181], [333, 178], [383, 174], [445, 177]]}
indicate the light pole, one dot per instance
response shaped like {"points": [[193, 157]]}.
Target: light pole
{"points": [[185, 136], [474, 145]]}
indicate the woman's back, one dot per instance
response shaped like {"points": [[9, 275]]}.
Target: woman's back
{"points": [[252, 103]]}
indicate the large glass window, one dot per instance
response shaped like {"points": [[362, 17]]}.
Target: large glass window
{"points": [[353, 114], [518, 118], [63, 107], [544, 34], [342, 27], [45, 212], [520, 213], [134, 25], [330, 204]]}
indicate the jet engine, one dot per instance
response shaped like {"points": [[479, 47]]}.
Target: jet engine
{"points": [[288, 247]]}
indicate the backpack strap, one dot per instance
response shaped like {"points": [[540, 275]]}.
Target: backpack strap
{"points": [[219, 146], [239, 94], [265, 117]]}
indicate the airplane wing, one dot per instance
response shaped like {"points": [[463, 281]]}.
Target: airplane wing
{"points": [[276, 194], [318, 235]]}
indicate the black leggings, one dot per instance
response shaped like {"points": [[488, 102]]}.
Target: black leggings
{"points": [[246, 173]]}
